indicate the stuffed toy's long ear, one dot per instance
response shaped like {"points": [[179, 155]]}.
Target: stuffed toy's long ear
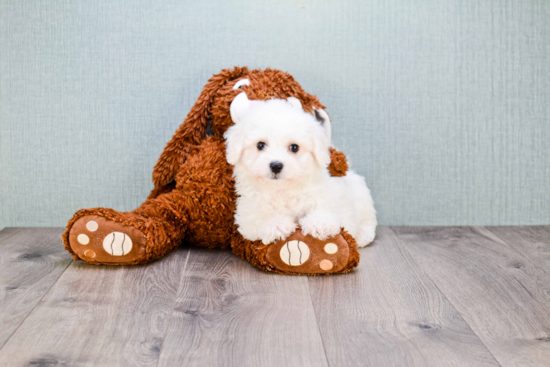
{"points": [[193, 129], [338, 166]]}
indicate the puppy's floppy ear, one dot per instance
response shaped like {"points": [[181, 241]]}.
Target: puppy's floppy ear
{"points": [[322, 117], [234, 143], [295, 102], [321, 148], [239, 107]]}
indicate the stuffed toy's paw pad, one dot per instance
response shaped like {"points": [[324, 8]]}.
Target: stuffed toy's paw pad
{"points": [[95, 239], [305, 254]]}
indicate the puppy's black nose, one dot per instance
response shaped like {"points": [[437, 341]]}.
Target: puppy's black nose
{"points": [[276, 167]]}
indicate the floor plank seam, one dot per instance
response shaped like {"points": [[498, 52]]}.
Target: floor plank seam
{"points": [[401, 245], [317, 321], [174, 305], [41, 298]]}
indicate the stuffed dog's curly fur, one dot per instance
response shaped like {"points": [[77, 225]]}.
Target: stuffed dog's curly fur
{"points": [[281, 158], [193, 199]]}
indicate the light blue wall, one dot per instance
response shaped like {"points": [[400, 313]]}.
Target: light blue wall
{"points": [[443, 105]]}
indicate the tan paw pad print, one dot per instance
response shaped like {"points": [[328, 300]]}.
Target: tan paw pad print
{"points": [[117, 244], [294, 253]]}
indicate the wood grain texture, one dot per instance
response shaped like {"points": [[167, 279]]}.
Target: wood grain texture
{"points": [[31, 261], [389, 313], [100, 316], [457, 296], [231, 314], [503, 296], [532, 241]]}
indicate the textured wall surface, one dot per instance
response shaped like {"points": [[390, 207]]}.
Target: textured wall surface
{"points": [[443, 105]]}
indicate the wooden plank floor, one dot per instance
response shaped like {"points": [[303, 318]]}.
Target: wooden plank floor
{"points": [[437, 296]]}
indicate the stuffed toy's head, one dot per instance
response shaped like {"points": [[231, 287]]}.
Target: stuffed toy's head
{"points": [[211, 113], [276, 142]]}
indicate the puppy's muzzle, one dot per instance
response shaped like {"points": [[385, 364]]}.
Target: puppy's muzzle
{"points": [[276, 167]]}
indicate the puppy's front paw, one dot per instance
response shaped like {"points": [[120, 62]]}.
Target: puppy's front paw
{"points": [[320, 224], [277, 229]]}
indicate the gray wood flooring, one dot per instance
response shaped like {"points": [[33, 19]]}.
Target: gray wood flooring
{"points": [[422, 296]]}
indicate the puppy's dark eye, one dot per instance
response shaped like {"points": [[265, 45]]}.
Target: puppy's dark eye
{"points": [[260, 145], [294, 148]]}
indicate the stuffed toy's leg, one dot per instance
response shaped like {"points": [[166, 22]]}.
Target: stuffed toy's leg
{"points": [[105, 236], [300, 254], [199, 208]]}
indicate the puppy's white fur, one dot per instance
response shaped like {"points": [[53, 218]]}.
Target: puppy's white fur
{"points": [[270, 206]]}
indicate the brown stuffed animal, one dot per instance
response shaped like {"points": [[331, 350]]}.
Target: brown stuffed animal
{"points": [[194, 195]]}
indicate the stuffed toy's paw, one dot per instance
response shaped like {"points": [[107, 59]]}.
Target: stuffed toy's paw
{"points": [[301, 254], [95, 239], [102, 236]]}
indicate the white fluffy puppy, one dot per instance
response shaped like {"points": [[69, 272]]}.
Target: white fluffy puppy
{"points": [[280, 155]]}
